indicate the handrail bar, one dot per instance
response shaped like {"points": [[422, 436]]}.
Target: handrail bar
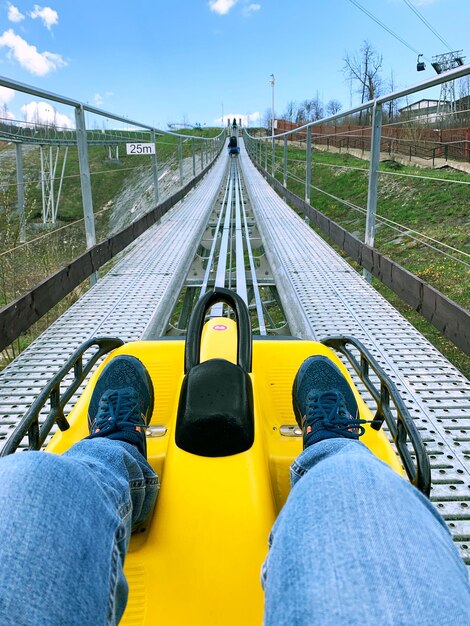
{"points": [[54, 97], [445, 77]]}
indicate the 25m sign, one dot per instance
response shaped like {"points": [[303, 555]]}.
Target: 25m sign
{"points": [[140, 148]]}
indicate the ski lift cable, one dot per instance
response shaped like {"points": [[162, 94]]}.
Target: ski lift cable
{"points": [[427, 24], [385, 27]]}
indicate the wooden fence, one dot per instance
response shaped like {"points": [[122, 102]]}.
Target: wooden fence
{"points": [[452, 320]]}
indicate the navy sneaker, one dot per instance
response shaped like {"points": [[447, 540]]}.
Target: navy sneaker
{"points": [[122, 403], [324, 404]]}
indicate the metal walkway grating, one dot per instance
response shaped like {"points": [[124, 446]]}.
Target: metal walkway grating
{"points": [[141, 287], [322, 295]]}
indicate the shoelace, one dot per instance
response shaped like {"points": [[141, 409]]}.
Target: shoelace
{"points": [[116, 409], [329, 408]]}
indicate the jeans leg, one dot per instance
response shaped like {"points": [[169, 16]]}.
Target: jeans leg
{"points": [[356, 544], [65, 524]]}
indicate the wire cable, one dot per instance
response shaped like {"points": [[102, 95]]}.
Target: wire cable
{"points": [[426, 23], [385, 27], [400, 228]]}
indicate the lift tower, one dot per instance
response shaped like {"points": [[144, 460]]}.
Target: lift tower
{"points": [[443, 63]]}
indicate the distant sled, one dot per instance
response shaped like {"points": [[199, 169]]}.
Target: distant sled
{"points": [[233, 147]]}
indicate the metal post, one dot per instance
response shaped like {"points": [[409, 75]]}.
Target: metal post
{"points": [[85, 181], [43, 185], [64, 161], [156, 195], [284, 176], [20, 191], [273, 154], [272, 83], [373, 179], [308, 165], [180, 159], [266, 155], [51, 182], [193, 149]]}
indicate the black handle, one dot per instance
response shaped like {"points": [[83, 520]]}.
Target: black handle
{"points": [[192, 353]]}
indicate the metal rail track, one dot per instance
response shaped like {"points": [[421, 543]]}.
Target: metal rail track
{"points": [[322, 295], [135, 296]]}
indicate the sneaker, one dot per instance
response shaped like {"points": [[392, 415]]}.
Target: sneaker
{"points": [[324, 404], [122, 403]]}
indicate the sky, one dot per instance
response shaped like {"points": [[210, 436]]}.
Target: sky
{"points": [[159, 62]]}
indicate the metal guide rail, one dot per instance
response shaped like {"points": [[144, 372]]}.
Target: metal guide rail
{"points": [[140, 288], [232, 229], [323, 296]]}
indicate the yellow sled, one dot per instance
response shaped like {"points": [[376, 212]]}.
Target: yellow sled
{"points": [[221, 438]]}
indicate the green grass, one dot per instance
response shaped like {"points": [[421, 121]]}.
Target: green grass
{"points": [[58, 244], [437, 208]]}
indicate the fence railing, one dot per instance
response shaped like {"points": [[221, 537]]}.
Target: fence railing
{"points": [[272, 156], [428, 143], [68, 185]]}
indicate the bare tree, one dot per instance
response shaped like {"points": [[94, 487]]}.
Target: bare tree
{"points": [[5, 115], [309, 111], [392, 105], [291, 110], [301, 115], [308, 107], [317, 108], [363, 68], [268, 119], [333, 107], [464, 87], [463, 103]]}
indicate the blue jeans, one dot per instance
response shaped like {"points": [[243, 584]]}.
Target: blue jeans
{"points": [[354, 544], [65, 524]]}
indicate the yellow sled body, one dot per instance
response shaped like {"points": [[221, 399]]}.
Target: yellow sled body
{"points": [[197, 562]]}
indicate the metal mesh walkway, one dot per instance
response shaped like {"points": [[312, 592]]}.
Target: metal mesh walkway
{"points": [[142, 286], [322, 295]]}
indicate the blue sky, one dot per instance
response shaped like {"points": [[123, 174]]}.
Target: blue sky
{"points": [[158, 62]]}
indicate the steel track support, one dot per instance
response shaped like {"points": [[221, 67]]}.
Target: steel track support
{"points": [[193, 151], [85, 180], [284, 169], [20, 191], [156, 194], [180, 159], [308, 165], [373, 179]]}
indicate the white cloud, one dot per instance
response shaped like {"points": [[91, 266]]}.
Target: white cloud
{"points": [[39, 63], [48, 16], [98, 99], [222, 6], [247, 119], [6, 95], [250, 9], [44, 113], [14, 15]]}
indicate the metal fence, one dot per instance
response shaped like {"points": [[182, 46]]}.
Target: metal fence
{"points": [[67, 183], [297, 160]]}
